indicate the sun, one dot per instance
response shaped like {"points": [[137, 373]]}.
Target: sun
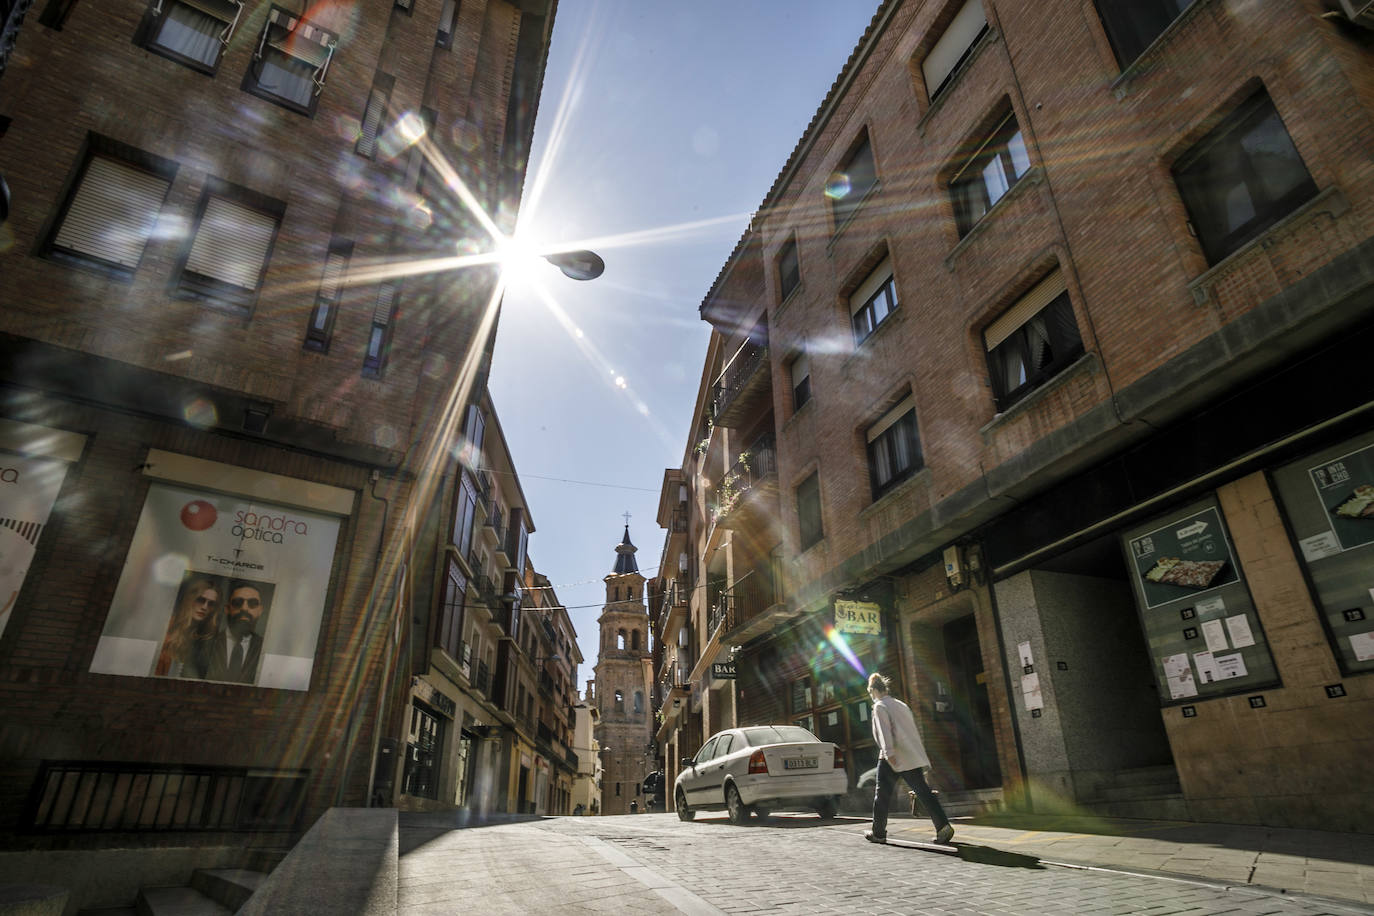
{"points": [[519, 260]]}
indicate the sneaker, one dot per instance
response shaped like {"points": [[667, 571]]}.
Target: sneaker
{"points": [[874, 838], [945, 832]]}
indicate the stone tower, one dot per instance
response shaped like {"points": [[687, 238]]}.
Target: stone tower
{"points": [[623, 684]]}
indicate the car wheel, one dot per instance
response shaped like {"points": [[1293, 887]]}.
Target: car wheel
{"points": [[739, 814], [684, 813], [761, 813], [827, 809]]}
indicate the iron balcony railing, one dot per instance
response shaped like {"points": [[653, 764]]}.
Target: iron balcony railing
{"points": [[740, 603], [739, 370], [757, 463], [486, 590], [678, 521], [483, 680], [498, 525], [98, 796]]}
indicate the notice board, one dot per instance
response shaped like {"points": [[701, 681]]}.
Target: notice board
{"points": [[1204, 637]]}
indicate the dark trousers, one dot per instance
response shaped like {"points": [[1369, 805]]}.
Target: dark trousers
{"points": [[882, 796]]}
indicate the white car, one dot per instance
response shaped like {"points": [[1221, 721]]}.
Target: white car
{"points": [[760, 767]]}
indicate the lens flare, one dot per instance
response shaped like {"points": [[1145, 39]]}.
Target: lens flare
{"points": [[836, 639], [838, 186]]}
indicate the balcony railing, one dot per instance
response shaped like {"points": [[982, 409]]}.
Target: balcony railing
{"points": [[735, 378], [497, 523], [677, 523], [487, 591], [737, 605], [483, 680], [756, 464]]}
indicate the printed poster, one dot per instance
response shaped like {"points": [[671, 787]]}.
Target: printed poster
{"points": [[1345, 488], [1183, 558], [28, 489], [220, 588]]}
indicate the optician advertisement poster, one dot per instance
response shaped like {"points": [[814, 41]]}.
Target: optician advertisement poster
{"points": [[28, 489], [220, 588]]}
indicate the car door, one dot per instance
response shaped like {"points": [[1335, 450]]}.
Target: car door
{"points": [[712, 771], [694, 775]]}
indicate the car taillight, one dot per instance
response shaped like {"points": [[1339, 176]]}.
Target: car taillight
{"points": [[839, 757], [757, 764]]}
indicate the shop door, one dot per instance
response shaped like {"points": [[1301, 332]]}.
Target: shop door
{"points": [[520, 801], [967, 704]]}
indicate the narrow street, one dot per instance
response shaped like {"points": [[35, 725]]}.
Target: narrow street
{"points": [[793, 864]]}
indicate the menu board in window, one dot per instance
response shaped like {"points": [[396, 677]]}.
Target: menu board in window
{"points": [[1328, 498], [1204, 637]]}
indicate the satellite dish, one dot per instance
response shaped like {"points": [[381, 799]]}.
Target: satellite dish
{"points": [[578, 265]]}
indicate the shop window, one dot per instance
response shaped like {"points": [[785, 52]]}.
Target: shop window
{"points": [[383, 328], [1032, 341], [953, 47], [789, 270], [1241, 178], [112, 209], [894, 450], [423, 751], [192, 32], [799, 371], [1133, 25], [291, 62], [809, 510], [873, 302], [321, 325], [986, 176], [851, 183], [232, 240]]}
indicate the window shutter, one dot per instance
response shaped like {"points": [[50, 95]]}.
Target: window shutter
{"points": [[232, 243], [113, 212], [386, 300], [372, 122], [801, 368], [907, 404], [226, 11], [293, 36], [968, 24], [334, 266], [875, 280], [1026, 308]]}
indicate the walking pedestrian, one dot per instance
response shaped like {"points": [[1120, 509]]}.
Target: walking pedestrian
{"points": [[900, 753]]}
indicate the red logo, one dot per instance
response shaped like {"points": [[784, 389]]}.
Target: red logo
{"points": [[198, 515]]}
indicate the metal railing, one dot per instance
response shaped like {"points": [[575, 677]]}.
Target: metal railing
{"points": [[483, 680], [738, 370], [757, 463], [741, 602], [677, 523], [96, 796]]}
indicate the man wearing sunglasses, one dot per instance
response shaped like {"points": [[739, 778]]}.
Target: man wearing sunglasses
{"points": [[235, 654]]}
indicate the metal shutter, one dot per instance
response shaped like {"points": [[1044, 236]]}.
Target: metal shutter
{"points": [[907, 405], [968, 24], [334, 266], [372, 122], [232, 243], [113, 212], [1026, 308]]}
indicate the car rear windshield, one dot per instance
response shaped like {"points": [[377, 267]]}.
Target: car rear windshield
{"points": [[776, 734]]}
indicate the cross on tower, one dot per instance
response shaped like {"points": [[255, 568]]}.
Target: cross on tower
{"points": [[627, 519]]}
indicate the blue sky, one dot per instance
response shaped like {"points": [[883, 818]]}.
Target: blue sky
{"points": [[661, 127]]}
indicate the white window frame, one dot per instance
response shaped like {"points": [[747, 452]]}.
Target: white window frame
{"points": [[877, 293]]}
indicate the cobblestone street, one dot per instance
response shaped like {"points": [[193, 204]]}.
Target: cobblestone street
{"points": [[656, 864]]}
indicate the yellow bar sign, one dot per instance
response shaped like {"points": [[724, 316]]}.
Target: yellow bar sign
{"points": [[858, 617]]}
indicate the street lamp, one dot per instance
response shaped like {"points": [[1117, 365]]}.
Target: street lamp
{"points": [[578, 265]]}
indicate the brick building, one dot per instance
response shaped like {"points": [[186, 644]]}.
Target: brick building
{"points": [[231, 391], [1053, 321]]}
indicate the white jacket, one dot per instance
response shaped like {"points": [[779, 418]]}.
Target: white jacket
{"points": [[894, 728]]}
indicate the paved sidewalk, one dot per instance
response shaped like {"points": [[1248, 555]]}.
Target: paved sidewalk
{"points": [[1336, 865]]}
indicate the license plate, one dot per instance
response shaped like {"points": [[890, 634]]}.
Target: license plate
{"points": [[799, 763]]}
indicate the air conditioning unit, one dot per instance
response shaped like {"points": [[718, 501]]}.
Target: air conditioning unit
{"points": [[1360, 12]]}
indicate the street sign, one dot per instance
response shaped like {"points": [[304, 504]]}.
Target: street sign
{"points": [[858, 617], [723, 671]]}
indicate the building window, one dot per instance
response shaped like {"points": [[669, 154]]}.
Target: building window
{"points": [[56, 13], [619, 701], [799, 371], [1241, 178], [192, 32], [850, 184], [474, 435], [634, 640], [1032, 341], [989, 174], [620, 639], [874, 300], [639, 702], [425, 744], [1133, 25], [379, 337], [451, 614], [230, 247], [894, 451], [809, 510], [789, 269], [448, 16], [321, 326], [374, 115], [111, 210], [953, 47], [464, 512], [291, 62]]}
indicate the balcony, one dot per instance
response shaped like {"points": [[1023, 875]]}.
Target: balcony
{"points": [[483, 680], [744, 386], [673, 611], [489, 593], [743, 497]]}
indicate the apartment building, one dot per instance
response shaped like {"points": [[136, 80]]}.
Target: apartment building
{"points": [[231, 392], [1052, 321]]}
